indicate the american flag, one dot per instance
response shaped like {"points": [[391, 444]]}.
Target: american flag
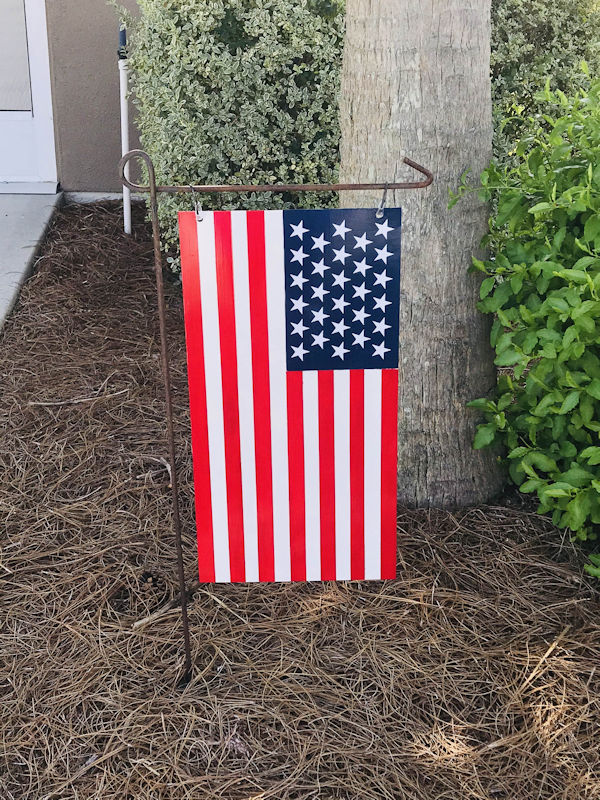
{"points": [[292, 340]]}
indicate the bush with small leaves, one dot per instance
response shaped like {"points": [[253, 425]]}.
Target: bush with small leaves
{"points": [[542, 284], [238, 91], [531, 41]]}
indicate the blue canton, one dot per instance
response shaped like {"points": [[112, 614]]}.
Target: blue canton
{"points": [[342, 288]]}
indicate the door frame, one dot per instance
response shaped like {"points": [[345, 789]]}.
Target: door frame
{"points": [[44, 177]]}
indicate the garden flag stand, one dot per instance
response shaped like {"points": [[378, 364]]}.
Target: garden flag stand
{"points": [[292, 337]]}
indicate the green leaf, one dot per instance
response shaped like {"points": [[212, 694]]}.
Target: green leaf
{"points": [[592, 455], [593, 388], [586, 409], [516, 283], [505, 401], [486, 287], [577, 476], [557, 489], [585, 308], [532, 485], [577, 510], [499, 297], [591, 570], [509, 357], [541, 461], [479, 265], [482, 403], [591, 230], [507, 207], [575, 275], [518, 452], [484, 436], [544, 404], [539, 207], [570, 401], [569, 336]]}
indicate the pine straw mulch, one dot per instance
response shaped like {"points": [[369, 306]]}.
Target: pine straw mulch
{"points": [[474, 676]]}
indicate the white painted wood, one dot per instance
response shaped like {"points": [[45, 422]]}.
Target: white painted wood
{"points": [[27, 154], [15, 89]]}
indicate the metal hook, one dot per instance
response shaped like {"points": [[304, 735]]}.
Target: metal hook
{"points": [[197, 205], [272, 187], [379, 212]]}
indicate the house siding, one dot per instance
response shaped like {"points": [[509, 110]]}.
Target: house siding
{"points": [[83, 40]]}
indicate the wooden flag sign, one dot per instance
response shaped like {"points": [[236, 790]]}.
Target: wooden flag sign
{"points": [[292, 342]]}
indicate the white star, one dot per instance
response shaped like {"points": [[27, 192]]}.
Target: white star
{"points": [[341, 229], [381, 303], [361, 291], [319, 315], [299, 352], [298, 328], [319, 268], [319, 291], [341, 255], [319, 242], [362, 267], [339, 327], [360, 339], [298, 305], [383, 254], [319, 339], [360, 315], [298, 230], [380, 350], [380, 327], [382, 278], [299, 256], [340, 279], [298, 280], [383, 229], [339, 304], [362, 242], [340, 351]]}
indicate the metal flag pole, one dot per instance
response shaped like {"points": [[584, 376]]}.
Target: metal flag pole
{"points": [[152, 190]]}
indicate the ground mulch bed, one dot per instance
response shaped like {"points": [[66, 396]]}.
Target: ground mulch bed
{"points": [[474, 676]]}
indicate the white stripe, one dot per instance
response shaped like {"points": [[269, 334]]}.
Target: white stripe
{"points": [[214, 394], [275, 269], [312, 503], [341, 405], [372, 474], [241, 293]]}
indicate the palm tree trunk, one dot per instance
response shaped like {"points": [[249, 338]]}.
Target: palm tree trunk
{"points": [[416, 82]]}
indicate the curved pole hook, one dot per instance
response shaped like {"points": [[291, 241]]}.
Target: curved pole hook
{"points": [[270, 187]]}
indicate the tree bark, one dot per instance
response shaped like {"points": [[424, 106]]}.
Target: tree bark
{"points": [[416, 82]]}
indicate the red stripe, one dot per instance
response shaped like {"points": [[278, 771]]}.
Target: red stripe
{"points": [[357, 474], [231, 416], [262, 399], [295, 428], [389, 474], [190, 274], [327, 475]]}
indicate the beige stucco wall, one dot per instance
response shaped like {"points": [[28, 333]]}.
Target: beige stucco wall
{"points": [[83, 40]]}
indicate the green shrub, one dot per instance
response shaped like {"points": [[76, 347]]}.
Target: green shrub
{"points": [[238, 91], [542, 285], [246, 91], [531, 41]]}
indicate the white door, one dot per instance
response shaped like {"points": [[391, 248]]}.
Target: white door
{"points": [[27, 156]]}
